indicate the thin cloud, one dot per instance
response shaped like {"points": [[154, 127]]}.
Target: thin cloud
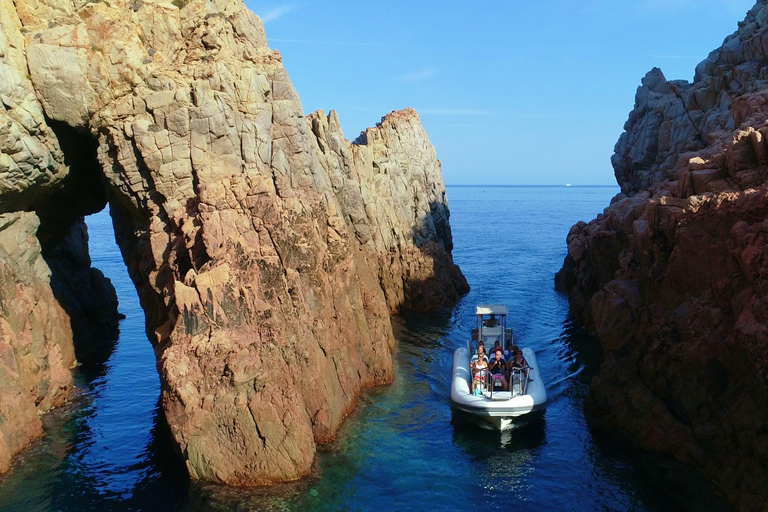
{"points": [[691, 57], [540, 115], [666, 5], [455, 112], [432, 111], [418, 76], [470, 112], [276, 12], [334, 43], [497, 125]]}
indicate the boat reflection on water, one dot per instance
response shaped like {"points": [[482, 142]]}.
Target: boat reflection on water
{"points": [[508, 457], [526, 435]]}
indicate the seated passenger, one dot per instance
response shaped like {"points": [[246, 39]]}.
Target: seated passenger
{"points": [[498, 368], [509, 352], [480, 350], [517, 362], [497, 346], [478, 373], [491, 322]]}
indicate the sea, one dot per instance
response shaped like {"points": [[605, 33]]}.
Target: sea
{"points": [[403, 448]]}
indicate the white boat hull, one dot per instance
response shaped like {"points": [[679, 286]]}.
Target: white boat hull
{"points": [[500, 408]]}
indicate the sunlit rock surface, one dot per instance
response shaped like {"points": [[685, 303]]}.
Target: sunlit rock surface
{"points": [[268, 251], [36, 350], [673, 277]]}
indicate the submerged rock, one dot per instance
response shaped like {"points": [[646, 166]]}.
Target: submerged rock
{"points": [[672, 278], [268, 251]]}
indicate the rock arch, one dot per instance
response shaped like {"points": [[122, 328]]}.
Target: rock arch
{"points": [[268, 251]]}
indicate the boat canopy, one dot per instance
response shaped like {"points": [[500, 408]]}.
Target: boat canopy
{"points": [[491, 325], [491, 309]]}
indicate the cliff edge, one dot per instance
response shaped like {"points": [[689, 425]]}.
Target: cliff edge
{"points": [[673, 276], [267, 250]]}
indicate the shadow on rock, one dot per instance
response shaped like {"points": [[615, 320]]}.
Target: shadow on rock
{"points": [[88, 297]]}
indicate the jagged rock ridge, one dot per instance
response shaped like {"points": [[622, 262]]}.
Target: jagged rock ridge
{"points": [[672, 277], [268, 251]]}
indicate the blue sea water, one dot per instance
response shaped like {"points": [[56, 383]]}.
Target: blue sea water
{"points": [[403, 448]]}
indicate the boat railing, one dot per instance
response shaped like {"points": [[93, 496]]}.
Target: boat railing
{"points": [[519, 379], [490, 381]]}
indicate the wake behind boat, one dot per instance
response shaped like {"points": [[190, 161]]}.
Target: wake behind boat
{"points": [[490, 400]]}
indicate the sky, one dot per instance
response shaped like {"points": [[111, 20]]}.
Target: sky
{"points": [[510, 92]]}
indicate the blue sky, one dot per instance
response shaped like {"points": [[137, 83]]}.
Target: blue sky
{"points": [[513, 92]]}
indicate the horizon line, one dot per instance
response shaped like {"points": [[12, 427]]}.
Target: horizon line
{"points": [[568, 185]]}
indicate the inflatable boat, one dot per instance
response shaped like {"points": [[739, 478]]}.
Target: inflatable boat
{"points": [[489, 399]]}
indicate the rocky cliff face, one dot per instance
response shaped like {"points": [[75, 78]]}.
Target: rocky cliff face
{"points": [[37, 339], [36, 350], [672, 278], [267, 250]]}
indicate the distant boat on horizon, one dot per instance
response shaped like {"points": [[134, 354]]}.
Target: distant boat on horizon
{"points": [[567, 184]]}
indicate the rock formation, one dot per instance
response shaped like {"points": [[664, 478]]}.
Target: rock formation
{"points": [[673, 276], [36, 350], [268, 251]]}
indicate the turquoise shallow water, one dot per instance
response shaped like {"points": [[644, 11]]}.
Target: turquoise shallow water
{"points": [[403, 448]]}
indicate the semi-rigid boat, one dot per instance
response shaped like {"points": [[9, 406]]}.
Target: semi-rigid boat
{"points": [[491, 402]]}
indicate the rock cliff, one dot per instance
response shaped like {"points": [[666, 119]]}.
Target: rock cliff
{"points": [[673, 276], [268, 251], [36, 350]]}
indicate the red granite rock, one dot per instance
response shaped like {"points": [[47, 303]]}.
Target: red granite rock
{"points": [[672, 278], [268, 251], [36, 351]]}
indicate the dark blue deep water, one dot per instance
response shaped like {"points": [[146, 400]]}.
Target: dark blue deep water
{"points": [[403, 448]]}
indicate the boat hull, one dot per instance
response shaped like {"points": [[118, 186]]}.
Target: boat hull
{"points": [[501, 408]]}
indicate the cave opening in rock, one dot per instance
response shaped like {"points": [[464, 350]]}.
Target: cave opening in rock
{"points": [[83, 292], [82, 192]]}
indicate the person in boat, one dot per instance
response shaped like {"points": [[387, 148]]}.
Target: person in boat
{"points": [[497, 346], [479, 368], [498, 368], [509, 352], [491, 322], [480, 350], [518, 362]]}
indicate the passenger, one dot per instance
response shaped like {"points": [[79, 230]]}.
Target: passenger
{"points": [[491, 322], [509, 352], [518, 361], [497, 346], [478, 370], [480, 350], [498, 368]]}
